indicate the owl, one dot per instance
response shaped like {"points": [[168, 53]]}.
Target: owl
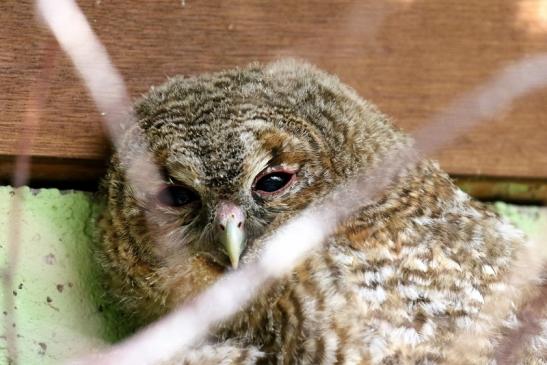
{"points": [[422, 275]]}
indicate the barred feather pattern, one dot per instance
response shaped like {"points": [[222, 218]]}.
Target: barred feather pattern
{"points": [[408, 279]]}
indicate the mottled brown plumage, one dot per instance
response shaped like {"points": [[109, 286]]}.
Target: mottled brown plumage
{"points": [[408, 279]]}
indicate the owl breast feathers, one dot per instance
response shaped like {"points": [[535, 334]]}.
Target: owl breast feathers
{"points": [[424, 275]]}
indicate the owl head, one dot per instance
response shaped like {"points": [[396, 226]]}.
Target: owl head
{"points": [[240, 152]]}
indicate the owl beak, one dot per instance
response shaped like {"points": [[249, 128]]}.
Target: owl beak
{"points": [[230, 230]]}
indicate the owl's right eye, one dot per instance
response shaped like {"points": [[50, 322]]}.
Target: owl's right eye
{"points": [[176, 196]]}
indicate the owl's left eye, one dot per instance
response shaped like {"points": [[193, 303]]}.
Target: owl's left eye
{"points": [[274, 181], [176, 196]]}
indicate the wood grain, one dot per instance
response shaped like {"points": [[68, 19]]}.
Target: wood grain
{"points": [[411, 58]]}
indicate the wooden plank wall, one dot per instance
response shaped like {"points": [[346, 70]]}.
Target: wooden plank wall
{"points": [[411, 58]]}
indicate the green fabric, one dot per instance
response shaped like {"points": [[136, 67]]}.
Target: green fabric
{"points": [[58, 306]]}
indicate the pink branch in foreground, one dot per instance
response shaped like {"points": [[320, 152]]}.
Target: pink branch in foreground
{"points": [[103, 81], [36, 102]]}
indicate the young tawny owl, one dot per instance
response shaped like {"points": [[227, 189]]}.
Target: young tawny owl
{"points": [[424, 275]]}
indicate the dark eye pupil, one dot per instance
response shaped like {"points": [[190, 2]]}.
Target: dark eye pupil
{"points": [[273, 182], [176, 196]]}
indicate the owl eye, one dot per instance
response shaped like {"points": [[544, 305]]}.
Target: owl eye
{"points": [[273, 182], [176, 196]]}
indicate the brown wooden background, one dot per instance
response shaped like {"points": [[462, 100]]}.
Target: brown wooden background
{"points": [[411, 58]]}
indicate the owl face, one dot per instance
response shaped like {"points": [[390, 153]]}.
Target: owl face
{"points": [[240, 152], [226, 190]]}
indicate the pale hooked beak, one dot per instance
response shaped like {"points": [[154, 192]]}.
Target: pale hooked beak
{"points": [[229, 223]]}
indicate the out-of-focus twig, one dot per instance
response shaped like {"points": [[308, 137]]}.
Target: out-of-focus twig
{"points": [[105, 84], [530, 325], [516, 80], [35, 104]]}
